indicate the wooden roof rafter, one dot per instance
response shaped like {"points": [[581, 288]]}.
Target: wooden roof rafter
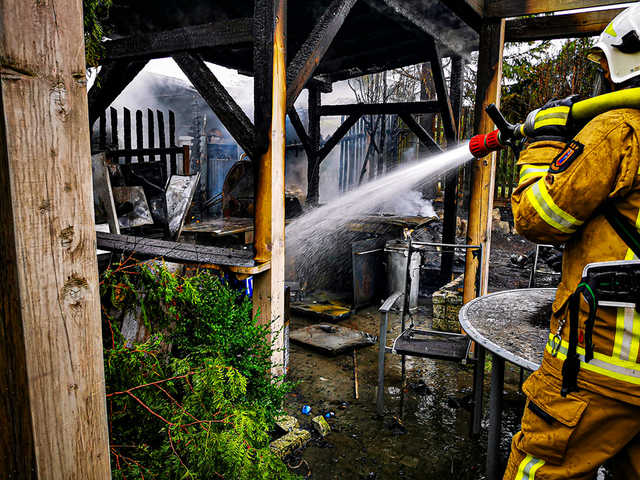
{"points": [[583, 24], [519, 8]]}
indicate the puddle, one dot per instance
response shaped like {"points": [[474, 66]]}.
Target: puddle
{"points": [[429, 440]]}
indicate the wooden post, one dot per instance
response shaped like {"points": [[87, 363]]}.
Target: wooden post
{"points": [[313, 160], [52, 394], [270, 111], [483, 170], [456, 87]]}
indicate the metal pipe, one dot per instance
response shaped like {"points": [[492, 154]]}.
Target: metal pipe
{"points": [[495, 416], [382, 347], [478, 383]]}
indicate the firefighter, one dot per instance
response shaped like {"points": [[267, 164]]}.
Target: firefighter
{"points": [[583, 411]]}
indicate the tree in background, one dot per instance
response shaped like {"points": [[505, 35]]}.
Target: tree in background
{"points": [[544, 71]]}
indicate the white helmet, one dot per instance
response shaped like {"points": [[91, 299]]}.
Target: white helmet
{"points": [[620, 45]]}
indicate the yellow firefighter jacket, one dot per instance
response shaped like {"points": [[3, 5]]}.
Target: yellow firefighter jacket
{"points": [[560, 190]]}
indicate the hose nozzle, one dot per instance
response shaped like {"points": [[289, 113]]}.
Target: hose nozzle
{"points": [[504, 136], [482, 145]]}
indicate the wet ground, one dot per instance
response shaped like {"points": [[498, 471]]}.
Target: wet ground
{"points": [[424, 435], [430, 441]]}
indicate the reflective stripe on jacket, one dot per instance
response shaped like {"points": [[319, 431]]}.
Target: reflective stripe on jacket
{"points": [[560, 205]]}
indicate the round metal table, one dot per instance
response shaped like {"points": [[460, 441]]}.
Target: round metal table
{"points": [[513, 325]]}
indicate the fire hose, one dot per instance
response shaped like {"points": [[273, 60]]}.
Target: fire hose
{"points": [[511, 135]]}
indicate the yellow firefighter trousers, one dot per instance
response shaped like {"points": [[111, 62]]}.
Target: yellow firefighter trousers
{"points": [[569, 438]]}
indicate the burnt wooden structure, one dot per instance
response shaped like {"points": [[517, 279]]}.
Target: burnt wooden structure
{"points": [[51, 373]]}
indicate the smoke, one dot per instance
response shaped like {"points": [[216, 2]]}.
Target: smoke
{"points": [[410, 203]]}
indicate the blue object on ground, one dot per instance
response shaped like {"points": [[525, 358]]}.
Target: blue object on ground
{"points": [[306, 410]]}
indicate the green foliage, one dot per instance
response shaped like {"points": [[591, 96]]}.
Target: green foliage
{"points": [[95, 14], [196, 399], [542, 72]]}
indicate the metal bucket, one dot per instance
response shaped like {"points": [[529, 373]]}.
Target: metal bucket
{"points": [[397, 253]]}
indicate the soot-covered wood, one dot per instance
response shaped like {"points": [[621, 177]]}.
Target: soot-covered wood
{"points": [[310, 54], [146, 248], [380, 108], [161, 44], [217, 97], [110, 81]]}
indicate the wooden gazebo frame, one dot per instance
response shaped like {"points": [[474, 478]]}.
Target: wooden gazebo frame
{"points": [[51, 375]]}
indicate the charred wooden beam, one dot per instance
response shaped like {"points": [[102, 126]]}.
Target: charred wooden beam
{"points": [[471, 11], [337, 136], [404, 13], [420, 132], [519, 8], [162, 44], [448, 119], [306, 60], [300, 130], [263, 34], [322, 83], [450, 217], [431, 106], [584, 24], [111, 80], [146, 248], [313, 156], [374, 55], [144, 151], [217, 97]]}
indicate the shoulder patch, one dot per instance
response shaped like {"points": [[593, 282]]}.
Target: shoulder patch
{"points": [[572, 151]]}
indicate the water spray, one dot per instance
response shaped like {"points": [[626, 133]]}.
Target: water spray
{"points": [[511, 135]]}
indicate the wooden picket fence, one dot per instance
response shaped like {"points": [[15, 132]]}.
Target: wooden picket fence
{"points": [[122, 150]]}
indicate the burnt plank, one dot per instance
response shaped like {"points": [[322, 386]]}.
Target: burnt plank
{"points": [[148, 248], [300, 130], [420, 132], [548, 27], [519, 8], [139, 135], [407, 14], [431, 106], [337, 136], [110, 81], [127, 132], [456, 89], [470, 11], [217, 97], [172, 138], [102, 131], [310, 54], [313, 156], [146, 151], [151, 134], [113, 113], [263, 37], [448, 121], [163, 144], [162, 44]]}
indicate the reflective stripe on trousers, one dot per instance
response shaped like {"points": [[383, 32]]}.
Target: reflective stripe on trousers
{"points": [[528, 468]]}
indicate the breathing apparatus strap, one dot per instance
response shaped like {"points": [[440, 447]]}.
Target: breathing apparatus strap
{"points": [[571, 366], [621, 225]]}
